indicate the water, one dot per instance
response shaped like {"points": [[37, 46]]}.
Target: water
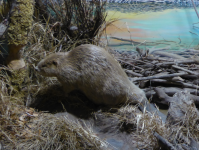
{"points": [[157, 26]]}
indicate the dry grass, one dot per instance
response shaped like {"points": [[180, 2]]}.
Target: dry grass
{"points": [[44, 131], [144, 126], [72, 23], [183, 128], [24, 128]]}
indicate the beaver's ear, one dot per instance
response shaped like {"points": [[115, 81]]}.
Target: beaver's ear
{"points": [[54, 62]]}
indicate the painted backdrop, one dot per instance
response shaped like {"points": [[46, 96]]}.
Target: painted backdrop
{"points": [[153, 25]]}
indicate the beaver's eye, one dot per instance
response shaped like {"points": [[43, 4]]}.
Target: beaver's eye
{"points": [[54, 63]]}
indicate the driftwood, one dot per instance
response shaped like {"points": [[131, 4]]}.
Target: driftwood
{"points": [[141, 52], [164, 98], [135, 60], [159, 76], [133, 73], [151, 57], [189, 76], [185, 61], [174, 56], [153, 50], [180, 107], [181, 84], [177, 81], [186, 70], [180, 104], [178, 100], [170, 91], [165, 93], [165, 142], [176, 73], [130, 64]]}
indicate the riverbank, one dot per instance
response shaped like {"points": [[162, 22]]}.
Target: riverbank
{"points": [[74, 122]]}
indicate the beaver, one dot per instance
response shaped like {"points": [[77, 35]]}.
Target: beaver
{"points": [[93, 71]]}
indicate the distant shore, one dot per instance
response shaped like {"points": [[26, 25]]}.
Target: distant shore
{"points": [[186, 3]]}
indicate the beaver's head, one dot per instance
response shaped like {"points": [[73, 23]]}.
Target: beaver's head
{"points": [[49, 65]]}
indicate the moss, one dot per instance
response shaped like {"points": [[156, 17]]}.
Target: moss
{"points": [[18, 81], [20, 22]]}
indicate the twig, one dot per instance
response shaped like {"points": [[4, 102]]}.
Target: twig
{"points": [[172, 90], [8, 137], [133, 73], [125, 40], [168, 55], [193, 33], [183, 69], [159, 76], [129, 33], [130, 64], [185, 61], [158, 59], [195, 8], [164, 141], [152, 50], [186, 85], [192, 42], [136, 60]]}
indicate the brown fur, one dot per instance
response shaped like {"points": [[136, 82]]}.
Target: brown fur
{"points": [[93, 71]]}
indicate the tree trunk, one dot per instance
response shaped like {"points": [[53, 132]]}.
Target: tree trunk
{"points": [[19, 27]]}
